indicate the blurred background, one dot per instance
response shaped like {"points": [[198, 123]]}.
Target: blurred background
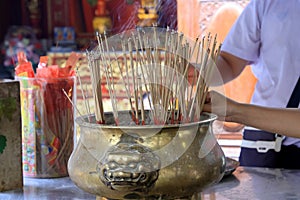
{"points": [[58, 27]]}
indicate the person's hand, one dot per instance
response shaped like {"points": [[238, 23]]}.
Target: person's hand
{"points": [[220, 105]]}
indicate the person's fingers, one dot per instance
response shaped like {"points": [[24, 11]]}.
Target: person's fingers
{"points": [[207, 107], [207, 104], [208, 98]]}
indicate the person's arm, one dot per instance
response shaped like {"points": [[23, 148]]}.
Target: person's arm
{"points": [[285, 121], [228, 67]]}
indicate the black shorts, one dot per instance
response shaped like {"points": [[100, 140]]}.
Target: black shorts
{"points": [[288, 157]]}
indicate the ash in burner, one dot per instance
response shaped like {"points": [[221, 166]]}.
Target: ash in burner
{"points": [[126, 119]]}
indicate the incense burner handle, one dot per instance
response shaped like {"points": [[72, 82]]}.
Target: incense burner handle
{"points": [[129, 166]]}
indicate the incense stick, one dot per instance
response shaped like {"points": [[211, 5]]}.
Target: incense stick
{"points": [[71, 102], [159, 66], [82, 93]]}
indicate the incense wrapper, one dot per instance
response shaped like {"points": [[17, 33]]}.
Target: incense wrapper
{"points": [[47, 125]]}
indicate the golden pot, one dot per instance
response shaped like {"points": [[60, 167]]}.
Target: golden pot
{"points": [[146, 162]]}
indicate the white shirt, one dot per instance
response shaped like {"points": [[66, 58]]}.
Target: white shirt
{"points": [[267, 33]]}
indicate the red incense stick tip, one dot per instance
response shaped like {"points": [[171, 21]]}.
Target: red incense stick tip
{"points": [[101, 122], [117, 122]]}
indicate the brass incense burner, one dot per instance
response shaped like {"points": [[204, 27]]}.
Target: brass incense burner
{"points": [[165, 150], [146, 162]]}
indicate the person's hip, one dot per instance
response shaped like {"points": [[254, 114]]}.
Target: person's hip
{"points": [[264, 149]]}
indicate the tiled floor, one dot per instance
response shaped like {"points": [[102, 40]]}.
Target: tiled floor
{"points": [[231, 152], [229, 141]]}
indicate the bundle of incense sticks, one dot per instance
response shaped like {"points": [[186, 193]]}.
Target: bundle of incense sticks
{"points": [[47, 98], [161, 64]]}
